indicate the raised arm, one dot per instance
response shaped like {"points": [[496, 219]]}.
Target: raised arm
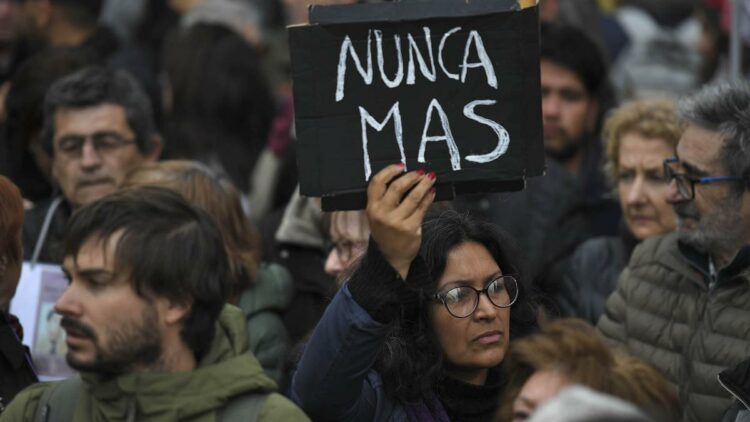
{"points": [[335, 379]]}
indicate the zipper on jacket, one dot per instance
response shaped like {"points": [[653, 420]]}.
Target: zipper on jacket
{"points": [[131, 411], [731, 391]]}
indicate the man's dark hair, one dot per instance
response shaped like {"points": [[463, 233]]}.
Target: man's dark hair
{"points": [[168, 249], [97, 85], [80, 12], [571, 48], [724, 108]]}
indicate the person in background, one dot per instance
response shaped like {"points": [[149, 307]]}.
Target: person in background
{"points": [[581, 404], [218, 107], [16, 370], [263, 291], [350, 233], [638, 137], [31, 166], [683, 301], [419, 329], [68, 23], [570, 351], [147, 324], [98, 125]]}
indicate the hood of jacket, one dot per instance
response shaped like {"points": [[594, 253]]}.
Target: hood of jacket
{"points": [[272, 291], [227, 370]]}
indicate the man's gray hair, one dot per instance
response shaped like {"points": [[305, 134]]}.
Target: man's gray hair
{"points": [[724, 108]]}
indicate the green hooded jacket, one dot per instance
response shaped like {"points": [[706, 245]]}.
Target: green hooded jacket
{"points": [[225, 372]]}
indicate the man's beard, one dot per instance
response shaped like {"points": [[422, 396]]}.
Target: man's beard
{"points": [[569, 149], [133, 344], [717, 234]]}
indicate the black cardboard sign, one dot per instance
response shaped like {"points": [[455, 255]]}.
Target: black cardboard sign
{"points": [[446, 86]]}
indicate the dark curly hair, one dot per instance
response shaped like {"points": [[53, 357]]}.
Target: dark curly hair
{"points": [[410, 361]]}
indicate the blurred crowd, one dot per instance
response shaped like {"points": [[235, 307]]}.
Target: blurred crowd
{"points": [[148, 147]]}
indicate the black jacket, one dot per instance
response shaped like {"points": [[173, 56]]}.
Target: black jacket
{"points": [[33, 230], [592, 275], [16, 372], [737, 381]]}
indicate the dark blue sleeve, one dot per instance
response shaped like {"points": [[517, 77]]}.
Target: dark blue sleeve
{"points": [[331, 382]]}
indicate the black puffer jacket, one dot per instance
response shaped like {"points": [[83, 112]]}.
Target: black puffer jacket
{"points": [[592, 276], [547, 219]]}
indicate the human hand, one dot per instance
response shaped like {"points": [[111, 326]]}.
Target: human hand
{"points": [[396, 217]]}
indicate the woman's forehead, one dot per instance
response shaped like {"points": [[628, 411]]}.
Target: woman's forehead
{"points": [[469, 262]]}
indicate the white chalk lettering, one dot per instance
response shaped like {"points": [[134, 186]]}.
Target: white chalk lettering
{"points": [[400, 70], [447, 136], [503, 139], [431, 73], [348, 49], [484, 59], [367, 120], [440, 53]]}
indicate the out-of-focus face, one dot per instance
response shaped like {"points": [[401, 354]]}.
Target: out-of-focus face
{"points": [[641, 186], [478, 342], [568, 111], [716, 219], [109, 328], [9, 25], [10, 273], [94, 148], [350, 232], [539, 388]]}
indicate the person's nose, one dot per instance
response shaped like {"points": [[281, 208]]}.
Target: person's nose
{"points": [[637, 194], [68, 304], [551, 106], [485, 309], [333, 265], [90, 158], [672, 195]]}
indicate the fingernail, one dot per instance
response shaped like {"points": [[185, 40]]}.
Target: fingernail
{"points": [[432, 175], [432, 190], [420, 172], [400, 164]]}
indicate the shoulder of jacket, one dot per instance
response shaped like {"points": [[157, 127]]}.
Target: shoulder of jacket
{"points": [[655, 249], [24, 405]]}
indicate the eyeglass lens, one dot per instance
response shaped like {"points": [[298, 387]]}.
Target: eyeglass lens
{"points": [[462, 301]]}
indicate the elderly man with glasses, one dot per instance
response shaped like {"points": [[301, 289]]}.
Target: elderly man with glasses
{"points": [[98, 125], [683, 302]]}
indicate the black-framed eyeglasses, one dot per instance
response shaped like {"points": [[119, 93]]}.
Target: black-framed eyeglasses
{"points": [[103, 143], [686, 183], [462, 301]]}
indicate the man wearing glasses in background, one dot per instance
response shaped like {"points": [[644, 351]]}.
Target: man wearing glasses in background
{"points": [[683, 302], [98, 125]]}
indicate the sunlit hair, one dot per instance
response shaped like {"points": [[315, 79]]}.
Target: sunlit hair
{"points": [[215, 194], [11, 221], [573, 349], [654, 118]]}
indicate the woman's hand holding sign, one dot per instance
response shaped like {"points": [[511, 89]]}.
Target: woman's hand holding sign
{"points": [[396, 207]]}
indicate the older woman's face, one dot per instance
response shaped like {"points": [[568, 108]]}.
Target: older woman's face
{"points": [[641, 186], [478, 342]]}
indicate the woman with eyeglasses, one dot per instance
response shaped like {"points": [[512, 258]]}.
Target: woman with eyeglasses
{"points": [[419, 330]]}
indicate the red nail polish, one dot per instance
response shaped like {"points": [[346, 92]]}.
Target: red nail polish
{"points": [[420, 172], [432, 190], [400, 164], [432, 175]]}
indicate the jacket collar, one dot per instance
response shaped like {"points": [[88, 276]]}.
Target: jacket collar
{"points": [[740, 265]]}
